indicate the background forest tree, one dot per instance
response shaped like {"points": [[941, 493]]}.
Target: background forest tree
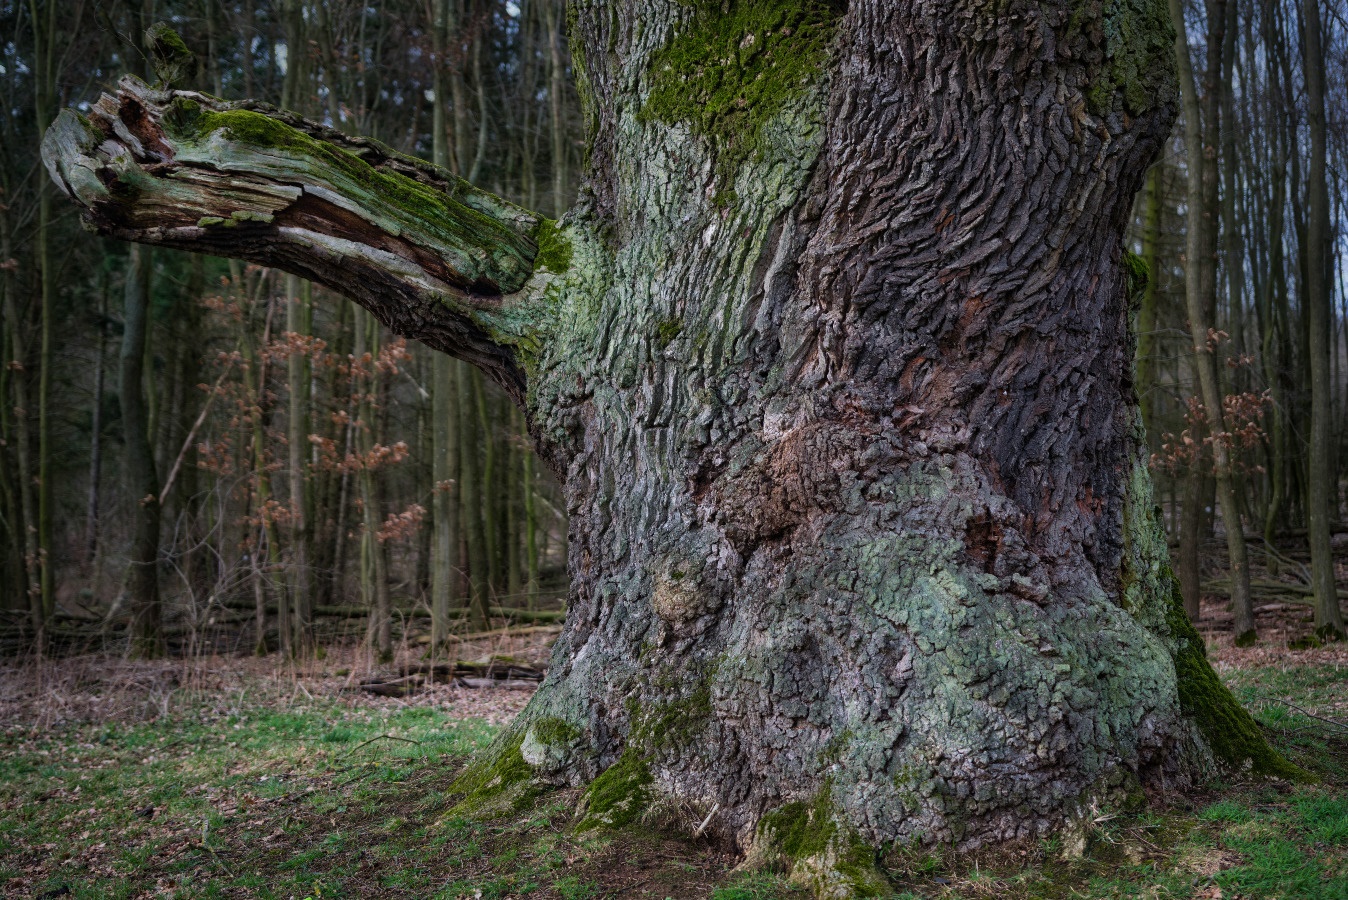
{"points": [[1266, 324], [306, 466]]}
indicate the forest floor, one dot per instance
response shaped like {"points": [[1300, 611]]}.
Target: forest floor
{"points": [[221, 777]]}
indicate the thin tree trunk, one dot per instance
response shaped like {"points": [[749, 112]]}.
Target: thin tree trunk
{"points": [[374, 568], [1274, 337], [556, 85], [17, 365], [263, 490], [297, 381], [489, 494], [44, 35], [1321, 487], [1232, 242], [458, 90], [514, 485], [1188, 565], [530, 532], [483, 116], [1146, 314], [141, 480], [1200, 288], [12, 523], [259, 595], [470, 502], [444, 389], [96, 432]]}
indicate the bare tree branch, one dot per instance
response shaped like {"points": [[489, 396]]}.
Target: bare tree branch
{"points": [[435, 258]]}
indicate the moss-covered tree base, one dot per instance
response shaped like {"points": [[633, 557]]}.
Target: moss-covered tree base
{"points": [[1229, 730]]}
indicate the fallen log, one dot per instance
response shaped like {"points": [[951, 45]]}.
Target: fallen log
{"points": [[1267, 587], [489, 672]]}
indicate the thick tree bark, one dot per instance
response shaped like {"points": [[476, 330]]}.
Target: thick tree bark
{"points": [[833, 360]]}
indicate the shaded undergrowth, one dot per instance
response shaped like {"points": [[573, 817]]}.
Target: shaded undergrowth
{"points": [[234, 798]]}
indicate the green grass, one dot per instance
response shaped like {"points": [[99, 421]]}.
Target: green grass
{"points": [[196, 803], [330, 800]]}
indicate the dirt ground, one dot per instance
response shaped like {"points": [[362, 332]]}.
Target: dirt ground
{"points": [[233, 776]]}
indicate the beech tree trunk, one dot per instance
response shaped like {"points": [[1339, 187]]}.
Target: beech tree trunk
{"points": [[141, 479], [1322, 490], [1201, 137], [832, 358]]}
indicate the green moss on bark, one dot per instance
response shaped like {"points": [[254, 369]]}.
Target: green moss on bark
{"points": [[1230, 731], [800, 829], [822, 855], [619, 795], [555, 732], [554, 250], [500, 779], [411, 203], [666, 332], [173, 62], [1138, 274], [734, 66], [1150, 592], [623, 792], [1139, 41]]}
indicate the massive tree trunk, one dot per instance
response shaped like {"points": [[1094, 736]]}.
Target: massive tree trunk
{"points": [[833, 360]]}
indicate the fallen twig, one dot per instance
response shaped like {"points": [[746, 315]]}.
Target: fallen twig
{"points": [[381, 737], [1307, 714]]}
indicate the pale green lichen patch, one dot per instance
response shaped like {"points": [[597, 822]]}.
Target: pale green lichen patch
{"points": [[734, 66], [619, 795]]}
